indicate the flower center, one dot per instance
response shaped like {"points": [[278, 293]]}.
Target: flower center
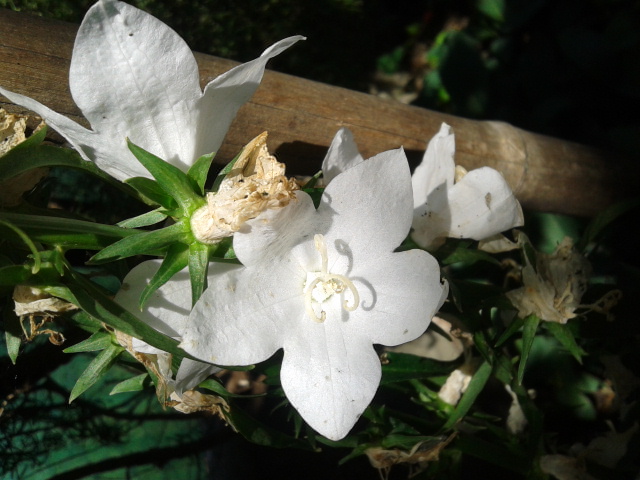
{"points": [[320, 286]]}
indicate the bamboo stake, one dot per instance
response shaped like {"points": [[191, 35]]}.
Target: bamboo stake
{"points": [[302, 116]]}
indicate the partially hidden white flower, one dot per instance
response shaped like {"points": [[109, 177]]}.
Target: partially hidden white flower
{"points": [[478, 204], [133, 76], [167, 311], [450, 202], [324, 285]]}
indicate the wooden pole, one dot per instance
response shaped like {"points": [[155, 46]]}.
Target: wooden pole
{"points": [[302, 116]]}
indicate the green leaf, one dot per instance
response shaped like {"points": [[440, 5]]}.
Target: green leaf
{"points": [[33, 141], [98, 367], [403, 366], [14, 275], [12, 332], [477, 383], [66, 232], [133, 384], [176, 259], [224, 172], [563, 334], [515, 326], [200, 170], [142, 243], [171, 179], [151, 192], [97, 341], [528, 335], [144, 220], [216, 387], [27, 241], [462, 253], [198, 265], [91, 299], [313, 180]]}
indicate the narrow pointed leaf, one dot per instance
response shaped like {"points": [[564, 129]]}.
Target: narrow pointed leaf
{"points": [[564, 335], [27, 241], [12, 332], [67, 232], [516, 325], [172, 180], [140, 244], [200, 170], [223, 173], [92, 300], [402, 366], [528, 335], [198, 264], [477, 383], [97, 341], [98, 367], [133, 384], [151, 192], [176, 259], [144, 220]]}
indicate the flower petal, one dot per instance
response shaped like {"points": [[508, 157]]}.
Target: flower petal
{"points": [[329, 377], [191, 373], [436, 169], [244, 315], [399, 294], [381, 219], [133, 76], [482, 204], [342, 155]]}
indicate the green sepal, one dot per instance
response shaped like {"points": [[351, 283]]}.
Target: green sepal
{"points": [[224, 172], [12, 332], [176, 259], [528, 334], [476, 384], [133, 384], [97, 341], [67, 232], [311, 183], [90, 298], [27, 241], [171, 179], [98, 367], [199, 171], [144, 220], [198, 265], [143, 243], [151, 192], [563, 333]]}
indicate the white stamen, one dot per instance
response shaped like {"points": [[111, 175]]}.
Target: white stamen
{"points": [[325, 284]]}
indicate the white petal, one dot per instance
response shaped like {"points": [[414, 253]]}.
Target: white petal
{"points": [[276, 231], [167, 310], [132, 76], [380, 219], [482, 204], [244, 315], [227, 93], [342, 155], [89, 144], [329, 377], [191, 373], [436, 169], [399, 294]]}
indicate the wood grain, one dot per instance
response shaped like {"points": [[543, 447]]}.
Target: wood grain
{"points": [[302, 116]]}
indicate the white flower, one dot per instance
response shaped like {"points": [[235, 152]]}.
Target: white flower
{"points": [[477, 204], [167, 311], [325, 285], [133, 76]]}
